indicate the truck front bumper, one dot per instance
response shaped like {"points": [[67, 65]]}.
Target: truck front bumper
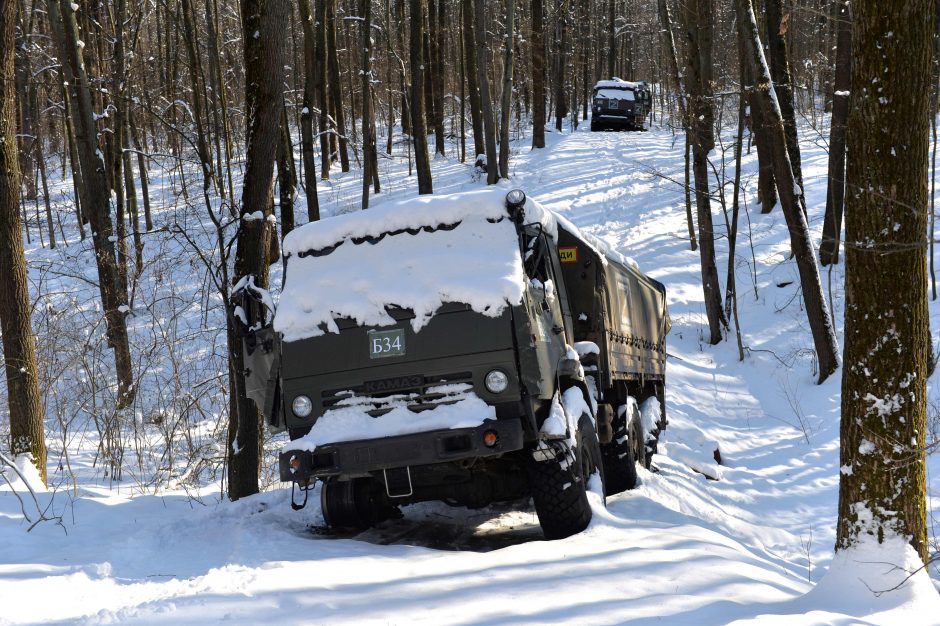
{"points": [[616, 118], [353, 458]]}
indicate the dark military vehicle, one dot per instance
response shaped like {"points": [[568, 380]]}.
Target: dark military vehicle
{"points": [[620, 104], [471, 348]]}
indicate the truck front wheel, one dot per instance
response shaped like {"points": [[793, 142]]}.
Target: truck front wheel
{"points": [[559, 483]]}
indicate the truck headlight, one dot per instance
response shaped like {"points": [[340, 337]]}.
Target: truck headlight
{"points": [[496, 381], [302, 406]]}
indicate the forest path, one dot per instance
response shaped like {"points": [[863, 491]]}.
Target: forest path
{"points": [[679, 549]]}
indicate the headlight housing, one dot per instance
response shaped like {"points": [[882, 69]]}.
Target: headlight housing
{"points": [[302, 406], [496, 381]]}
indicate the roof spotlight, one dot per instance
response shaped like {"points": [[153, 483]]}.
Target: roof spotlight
{"points": [[515, 200]]}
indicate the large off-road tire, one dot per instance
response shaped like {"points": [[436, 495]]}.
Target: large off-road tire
{"points": [[353, 504], [643, 444], [559, 484], [619, 457]]}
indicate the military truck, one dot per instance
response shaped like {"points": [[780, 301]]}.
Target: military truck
{"points": [[619, 103], [471, 348]]}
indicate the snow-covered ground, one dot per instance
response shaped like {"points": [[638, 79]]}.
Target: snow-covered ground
{"points": [[749, 547]]}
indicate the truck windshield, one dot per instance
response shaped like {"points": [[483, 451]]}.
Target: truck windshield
{"points": [[610, 93], [474, 261]]}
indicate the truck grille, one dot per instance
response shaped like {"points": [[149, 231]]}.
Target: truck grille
{"points": [[417, 393]]}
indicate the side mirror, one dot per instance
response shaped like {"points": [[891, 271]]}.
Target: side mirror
{"points": [[252, 306]]}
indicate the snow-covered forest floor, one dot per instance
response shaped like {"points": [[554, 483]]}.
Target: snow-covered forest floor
{"points": [[156, 543]]}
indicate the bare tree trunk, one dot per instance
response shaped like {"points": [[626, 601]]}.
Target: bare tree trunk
{"points": [[882, 485], [368, 113], [463, 94], [117, 104], [95, 193], [670, 43], [835, 192], [263, 25], [336, 91], [611, 38], [489, 123], [436, 82], [142, 166], [817, 311], [470, 57], [561, 61], [19, 347], [320, 87], [25, 138], [766, 185], [286, 174], [695, 20], [419, 129], [133, 212], [506, 104], [76, 167], [783, 86], [731, 289], [538, 73], [306, 114]]}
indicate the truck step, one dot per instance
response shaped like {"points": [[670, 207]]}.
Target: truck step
{"points": [[398, 482]]}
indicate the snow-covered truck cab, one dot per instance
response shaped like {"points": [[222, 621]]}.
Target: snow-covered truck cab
{"points": [[619, 103], [432, 350]]}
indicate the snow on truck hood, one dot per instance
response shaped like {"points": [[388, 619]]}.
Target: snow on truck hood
{"points": [[415, 254]]}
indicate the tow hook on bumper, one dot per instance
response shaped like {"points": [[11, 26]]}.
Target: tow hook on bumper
{"points": [[491, 438]]}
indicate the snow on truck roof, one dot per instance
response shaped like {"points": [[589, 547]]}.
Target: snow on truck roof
{"points": [[616, 83], [415, 254]]}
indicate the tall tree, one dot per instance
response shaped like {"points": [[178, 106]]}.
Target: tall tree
{"points": [[320, 86], [436, 17], [673, 60], [286, 174], [335, 88], [489, 122], [882, 486], [263, 25], [470, 59], [506, 104], [538, 73], [560, 95], [611, 38], [762, 133], [419, 128], [369, 172], [95, 194], [783, 86], [19, 348], [817, 311], [696, 19], [306, 114], [835, 189]]}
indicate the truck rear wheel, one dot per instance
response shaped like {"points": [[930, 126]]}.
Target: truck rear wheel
{"points": [[353, 504], [619, 456], [559, 484]]}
